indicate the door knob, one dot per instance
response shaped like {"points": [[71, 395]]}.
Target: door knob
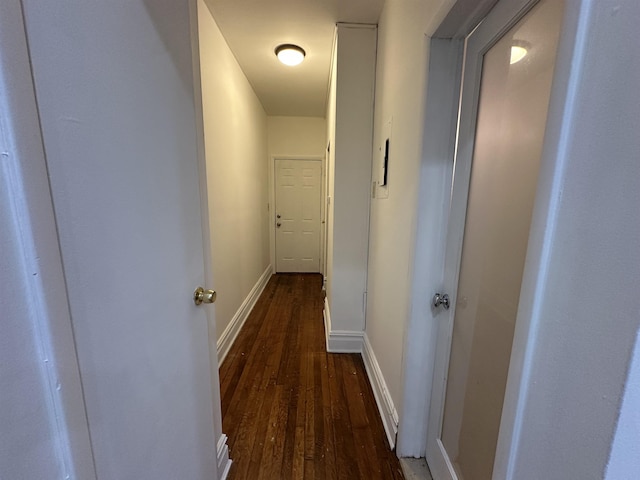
{"points": [[441, 299], [278, 216], [278, 224], [204, 296]]}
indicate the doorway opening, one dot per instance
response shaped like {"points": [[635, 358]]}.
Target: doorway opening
{"points": [[298, 223]]}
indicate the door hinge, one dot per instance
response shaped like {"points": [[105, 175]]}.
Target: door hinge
{"points": [[364, 303]]}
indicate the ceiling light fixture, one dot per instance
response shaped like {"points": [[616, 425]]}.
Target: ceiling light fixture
{"points": [[290, 54], [519, 50]]}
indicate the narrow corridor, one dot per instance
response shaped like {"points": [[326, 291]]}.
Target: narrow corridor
{"points": [[292, 410]]}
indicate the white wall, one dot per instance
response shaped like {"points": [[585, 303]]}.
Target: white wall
{"points": [[624, 461], [290, 136], [44, 427], [30, 444], [235, 130], [401, 82], [350, 162]]}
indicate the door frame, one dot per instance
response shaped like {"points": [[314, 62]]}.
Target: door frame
{"points": [[35, 228], [439, 146], [446, 49], [272, 205], [223, 460], [501, 19]]}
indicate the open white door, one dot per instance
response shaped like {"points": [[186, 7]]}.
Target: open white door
{"points": [[114, 83], [509, 66]]}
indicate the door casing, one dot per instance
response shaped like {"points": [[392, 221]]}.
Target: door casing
{"points": [[502, 18], [25, 176], [439, 146], [272, 206]]}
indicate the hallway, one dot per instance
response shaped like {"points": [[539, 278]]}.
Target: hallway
{"points": [[290, 409]]}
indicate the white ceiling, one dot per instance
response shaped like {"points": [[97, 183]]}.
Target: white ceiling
{"points": [[254, 28]]}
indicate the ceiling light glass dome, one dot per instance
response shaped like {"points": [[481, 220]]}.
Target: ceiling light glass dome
{"points": [[290, 54]]}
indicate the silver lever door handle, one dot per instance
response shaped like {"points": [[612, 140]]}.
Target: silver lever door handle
{"points": [[441, 299]]}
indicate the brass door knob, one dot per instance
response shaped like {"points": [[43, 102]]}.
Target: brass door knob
{"points": [[204, 296]]}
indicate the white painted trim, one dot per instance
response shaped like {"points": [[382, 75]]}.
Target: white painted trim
{"points": [[24, 175], [449, 466], [340, 341], [345, 341], [224, 462], [323, 217], [387, 410], [326, 314], [230, 333], [445, 64], [206, 235], [272, 203]]}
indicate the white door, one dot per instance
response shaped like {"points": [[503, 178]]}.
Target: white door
{"points": [[115, 89], [298, 215], [502, 126]]}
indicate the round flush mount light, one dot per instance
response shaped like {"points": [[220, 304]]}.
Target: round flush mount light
{"points": [[519, 50], [290, 54]]}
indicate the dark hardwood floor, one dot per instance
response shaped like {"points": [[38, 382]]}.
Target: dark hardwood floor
{"points": [[292, 410]]}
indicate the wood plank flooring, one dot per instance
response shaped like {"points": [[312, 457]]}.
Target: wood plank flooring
{"points": [[292, 410]]}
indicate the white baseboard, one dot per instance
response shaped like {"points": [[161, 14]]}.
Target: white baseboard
{"points": [[343, 341], [380, 391], [231, 332], [340, 341], [224, 462], [326, 314]]}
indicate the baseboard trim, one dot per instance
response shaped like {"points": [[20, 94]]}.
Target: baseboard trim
{"points": [[344, 341], [235, 325], [387, 410], [340, 341], [326, 314], [224, 462]]}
